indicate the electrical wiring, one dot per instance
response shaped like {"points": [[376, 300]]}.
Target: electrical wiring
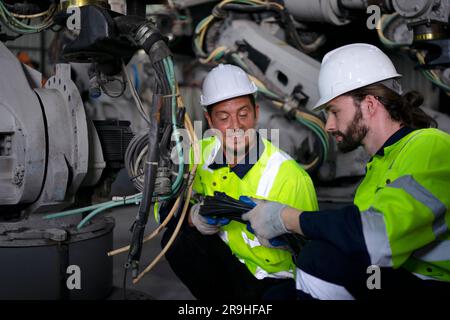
{"points": [[135, 199], [171, 78], [171, 240], [195, 145], [123, 200], [135, 95], [154, 233], [322, 135], [133, 159], [95, 212], [382, 25], [202, 27], [12, 20], [72, 212], [168, 90], [223, 206], [97, 208], [183, 214], [100, 207], [432, 75], [31, 16], [314, 119], [215, 55], [137, 149], [142, 151]]}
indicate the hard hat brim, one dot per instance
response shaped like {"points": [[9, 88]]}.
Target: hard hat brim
{"points": [[322, 103], [205, 102]]}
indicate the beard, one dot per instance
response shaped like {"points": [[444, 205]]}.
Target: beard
{"points": [[356, 132]]}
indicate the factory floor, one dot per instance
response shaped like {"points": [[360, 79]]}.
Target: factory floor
{"points": [[160, 283]]}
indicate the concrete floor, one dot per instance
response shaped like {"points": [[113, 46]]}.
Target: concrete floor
{"points": [[160, 283]]}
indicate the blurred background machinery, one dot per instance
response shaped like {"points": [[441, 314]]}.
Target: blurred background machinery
{"points": [[84, 106]]}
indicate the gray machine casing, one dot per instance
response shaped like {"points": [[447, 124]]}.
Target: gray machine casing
{"points": [[44, 138], [48, 150]]}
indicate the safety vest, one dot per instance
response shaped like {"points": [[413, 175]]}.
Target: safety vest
{"points": [[404, 201], [275, 176]]}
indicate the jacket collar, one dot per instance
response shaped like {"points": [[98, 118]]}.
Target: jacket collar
{"points": [[397, 136], [245, 165]]}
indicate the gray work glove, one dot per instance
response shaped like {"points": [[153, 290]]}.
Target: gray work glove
{"points": [[201, 223], [265, 219]]}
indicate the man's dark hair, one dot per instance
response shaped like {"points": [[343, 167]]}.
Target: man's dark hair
{"points": [[404, 109]]}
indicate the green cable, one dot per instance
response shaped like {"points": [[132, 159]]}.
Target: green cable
{"points": [[246, 2], [72, 212], [11, 20], [323, 141], [111, 204], [168, 64], [437, 82], [239, 61], [196, 39], [319, 132], [136, 198], [392, 44], [200, 24], [95, 212], [269, 93], [388, 42], [100, 207], [219, 55]]}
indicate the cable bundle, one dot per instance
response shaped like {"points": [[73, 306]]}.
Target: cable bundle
{"points": [[221, 205], [434, 75], [247, 6], [16, 22]]}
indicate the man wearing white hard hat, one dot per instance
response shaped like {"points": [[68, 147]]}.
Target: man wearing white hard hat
{"points": [[394, 242], [221, 258]]}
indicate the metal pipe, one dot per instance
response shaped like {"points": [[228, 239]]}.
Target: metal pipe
{"points": [[354, 4]]}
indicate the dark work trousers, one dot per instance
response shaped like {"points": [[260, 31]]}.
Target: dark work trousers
{"points": [[206, 265], [321, 260]]}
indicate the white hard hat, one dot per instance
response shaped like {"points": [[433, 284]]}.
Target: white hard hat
{"points": [[352, 67], [224, 82]]}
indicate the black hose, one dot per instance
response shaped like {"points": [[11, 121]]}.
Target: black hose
{"points": [[165, 142], [149, 184], [222, 206]]}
